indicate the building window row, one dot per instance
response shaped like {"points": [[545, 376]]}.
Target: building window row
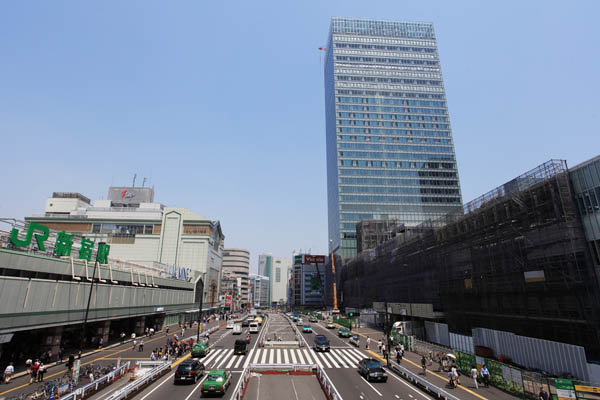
{"points": [[397, 190], [412, 110], [390, 172], [377, 68], [406, 42], [399, 102], [391, 131], [123, 229], [387, 54], [430, 50], [386, 60], [407, 95], [389, 86], [391, 181], [392, 124], [399, 199], [389, 147], [400, 164], [389, 80], [389, 139], [392, 116], [387, 72]]}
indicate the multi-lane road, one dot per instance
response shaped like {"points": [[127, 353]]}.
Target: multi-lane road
{"points": [[340, 364]]}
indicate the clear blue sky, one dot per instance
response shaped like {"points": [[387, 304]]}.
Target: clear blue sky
{"points": [[221, 103]]}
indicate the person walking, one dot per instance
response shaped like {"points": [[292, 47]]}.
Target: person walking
{"points": [[379, 345], [28, 364], [134, 344], [9, 371], [474, 375], [61, 353], [100, 341], [424, 364], [456, 375], [34, 371], [543, 395], [123, 337], [368, 343], [485, 375], [41, 372], [141, 345]]}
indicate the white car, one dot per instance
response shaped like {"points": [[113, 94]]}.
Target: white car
{"points": [[237, 329], [300, 322], [230, 324], [253, 327]]}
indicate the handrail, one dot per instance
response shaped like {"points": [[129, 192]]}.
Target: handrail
{"points": [[83, 392], [127, 390], [282, 367], [416, 379], [75, 278]]}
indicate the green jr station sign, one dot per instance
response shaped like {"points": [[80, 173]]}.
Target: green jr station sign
{"points": [[63, 244]]}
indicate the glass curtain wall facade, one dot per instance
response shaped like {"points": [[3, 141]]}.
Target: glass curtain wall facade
{"points": [[390, 152]]}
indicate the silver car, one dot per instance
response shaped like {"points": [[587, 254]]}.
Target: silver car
{"points": [[355, 340]]}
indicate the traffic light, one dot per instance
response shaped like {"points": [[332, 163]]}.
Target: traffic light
{"points": [[353, 314]]}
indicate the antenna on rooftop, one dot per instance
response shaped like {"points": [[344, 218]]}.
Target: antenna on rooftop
{"points": [[144, 182], [134, 176]]}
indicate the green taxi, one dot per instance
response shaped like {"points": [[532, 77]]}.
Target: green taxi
{"points": [[200, 349], [217, 381], [344, 332]]}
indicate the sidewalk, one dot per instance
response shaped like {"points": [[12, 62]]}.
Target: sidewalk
{"points": [[412, 362]]}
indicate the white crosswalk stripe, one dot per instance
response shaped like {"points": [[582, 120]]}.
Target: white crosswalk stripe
{"points": [[285, 357], [335, 358]]}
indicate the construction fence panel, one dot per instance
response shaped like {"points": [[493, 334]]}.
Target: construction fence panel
{"points": [[461, 342]]}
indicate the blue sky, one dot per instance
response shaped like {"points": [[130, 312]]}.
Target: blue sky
{"points": [[220, 104]]}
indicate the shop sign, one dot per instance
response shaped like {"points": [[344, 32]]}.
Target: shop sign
{"points": [[564, 389], [310, 259], [63, 244]]}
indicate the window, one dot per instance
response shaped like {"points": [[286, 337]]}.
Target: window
{"points": [[277, 275]]}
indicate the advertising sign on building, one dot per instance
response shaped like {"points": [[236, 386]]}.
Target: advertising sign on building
{"points": [[565, 389], [310, 259]]}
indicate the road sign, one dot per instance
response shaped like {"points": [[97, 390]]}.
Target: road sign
{"points": [[564, 389]]}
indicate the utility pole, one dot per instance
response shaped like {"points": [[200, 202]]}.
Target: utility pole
{"points": [[87, 311], [200, 289]]}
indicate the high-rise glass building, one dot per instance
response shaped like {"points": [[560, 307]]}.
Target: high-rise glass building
{"points": [[390, 152]]}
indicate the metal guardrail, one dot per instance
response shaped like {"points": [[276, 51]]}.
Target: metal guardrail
{"points": [[93, 386], [418, 380], [330, 390], [282, 367], [238, 393], [281, 343], [142, 381]]}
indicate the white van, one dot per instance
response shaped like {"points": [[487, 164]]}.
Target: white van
{"points": [[253, 327], [230, 324], [237, 329]]}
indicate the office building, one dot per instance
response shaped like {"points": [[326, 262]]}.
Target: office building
{"points": [[259, 291], [277, 269], [236, 263], [309, 283], [390, 153]]}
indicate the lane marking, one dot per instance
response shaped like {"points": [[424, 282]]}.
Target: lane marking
{"points": [[392, 374], [225, 358], [331, 359], [264, 357], [342, 363], [278, 358], [322, 357], [300, 357], [247, 361], [352, 361], [162, 383], [411, 396], [231, 360], [210, 357], [217, 358], [372, 387], [271, 356], [196, 388], [293, 354], [285, 357], [314, 355], [397, 396], [238, 362], [257, 356]]}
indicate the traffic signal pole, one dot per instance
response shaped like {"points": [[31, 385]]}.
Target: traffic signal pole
{"points": [[335, 304]]}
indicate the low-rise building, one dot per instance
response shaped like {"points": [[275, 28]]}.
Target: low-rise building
{"points": [[236, 263], [308, 281], [145, 232], [259, 290]]}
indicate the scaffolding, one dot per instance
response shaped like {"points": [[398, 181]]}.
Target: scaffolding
{"points": [[513, 259]]}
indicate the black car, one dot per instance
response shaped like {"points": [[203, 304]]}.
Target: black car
{"points": [[240, 347], [372, 370], [189, 371], [321, 343], [245, 323]]}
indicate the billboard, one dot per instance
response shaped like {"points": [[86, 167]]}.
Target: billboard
{"points": [[310, 259], [130, 195]]}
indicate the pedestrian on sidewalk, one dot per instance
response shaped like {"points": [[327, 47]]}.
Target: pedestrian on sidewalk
{"points": [[123, 337], [543, 395], [100, 341], [474, 375], [424, 364], [141, 345], [61, 353], [34, 371], [456, 375], [134, 344], [368, 342], [451, 382], [167, 331], [379, 345], [28, 364], [9, 372], [41, 372], [485, 375]]}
